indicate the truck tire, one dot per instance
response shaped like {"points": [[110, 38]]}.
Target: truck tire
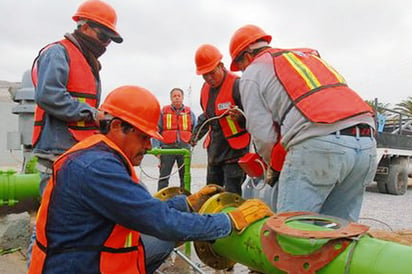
{"points": [[396, 181]]}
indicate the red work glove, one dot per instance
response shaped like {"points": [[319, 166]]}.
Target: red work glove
{"points": [[197, 199], [249, 212]]}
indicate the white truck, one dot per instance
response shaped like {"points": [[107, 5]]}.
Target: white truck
{"points": [[394, 145]]}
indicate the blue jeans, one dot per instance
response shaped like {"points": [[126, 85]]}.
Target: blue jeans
{"points": [[327, 175], [156, 251]]}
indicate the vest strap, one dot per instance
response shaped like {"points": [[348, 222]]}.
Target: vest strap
{"points": [[58, 250]]}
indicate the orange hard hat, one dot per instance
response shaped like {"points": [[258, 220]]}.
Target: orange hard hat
{"points": [[242, 38], [101, 13], [135, 105], [207, 57]]}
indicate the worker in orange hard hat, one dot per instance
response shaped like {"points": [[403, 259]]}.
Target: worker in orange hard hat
{"points": [[227, 139], [97, 217], [67, 85], [299, 107]]}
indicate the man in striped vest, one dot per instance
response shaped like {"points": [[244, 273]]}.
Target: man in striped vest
{"points": [[175, 125], [296, 102], [227, 139]]}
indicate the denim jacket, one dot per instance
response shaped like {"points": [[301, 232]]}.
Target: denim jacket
{"points": [[94, 191], [59, 106]]}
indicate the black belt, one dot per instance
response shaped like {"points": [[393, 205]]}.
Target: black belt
{"points": [[361, 130]]}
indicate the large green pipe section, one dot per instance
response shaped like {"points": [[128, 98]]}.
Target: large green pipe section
{"points": [[360, 254], [186, 160], [15, 187]]}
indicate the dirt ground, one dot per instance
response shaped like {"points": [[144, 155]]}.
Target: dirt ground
{"points": [[13, 263]]}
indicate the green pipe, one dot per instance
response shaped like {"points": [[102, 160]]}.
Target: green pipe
{"points": [[186, 160], [363, 254], [15, 187]]}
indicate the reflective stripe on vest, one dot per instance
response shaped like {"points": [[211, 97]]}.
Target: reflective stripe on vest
{"points": [[81, 85], [122, 252], [176, 122], [236, 135], [317, 90]]}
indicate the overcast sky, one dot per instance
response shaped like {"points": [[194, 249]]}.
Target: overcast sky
{"points": [[368, 41]]}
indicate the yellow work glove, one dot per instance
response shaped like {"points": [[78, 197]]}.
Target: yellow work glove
{"points": [[197, 199], [249, 212]]}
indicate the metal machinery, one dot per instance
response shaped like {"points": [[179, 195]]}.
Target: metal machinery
{"points": [[18, 186], [21, 139]]}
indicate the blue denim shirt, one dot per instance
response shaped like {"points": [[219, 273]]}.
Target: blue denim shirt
{"points": [[60, 107], [94, 191]]}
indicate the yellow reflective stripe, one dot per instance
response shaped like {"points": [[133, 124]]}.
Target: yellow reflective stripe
{"points": [[337, 75], [302, 70], [185, 124], [81, 123], [168, 121], [232, 125], [128, 241]]}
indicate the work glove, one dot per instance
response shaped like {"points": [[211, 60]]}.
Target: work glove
{"points": [[249, 212], [197, 199]]}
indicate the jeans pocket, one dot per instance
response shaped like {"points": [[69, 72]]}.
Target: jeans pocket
{"points": [[317, 166], [370, 175]]}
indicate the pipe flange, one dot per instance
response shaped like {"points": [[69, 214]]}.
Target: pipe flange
{"points": [[342, 228], [169, 192], [220, 201], [204, 250], [308, 263]]}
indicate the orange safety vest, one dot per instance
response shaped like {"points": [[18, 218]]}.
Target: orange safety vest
{"points": [[236, 135], [123, 250], [315, 88], [81, 85], [174, 122]]}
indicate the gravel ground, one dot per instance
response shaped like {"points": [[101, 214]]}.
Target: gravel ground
{"points": [[387, 212], [380, 211]]}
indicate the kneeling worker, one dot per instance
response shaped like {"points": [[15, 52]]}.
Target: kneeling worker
{"points": [[95, 216]]}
